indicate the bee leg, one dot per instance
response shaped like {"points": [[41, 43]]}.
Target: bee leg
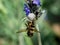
{"points": [[21, 31], [26, 24], [37, 31]]}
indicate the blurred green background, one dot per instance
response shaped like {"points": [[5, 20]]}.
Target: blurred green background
{"points": [[9, 15]]}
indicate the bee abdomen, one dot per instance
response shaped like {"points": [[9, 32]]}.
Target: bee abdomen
{"points": [[29, 34]]}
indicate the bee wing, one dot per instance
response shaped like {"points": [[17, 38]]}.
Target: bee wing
{"points": [[21, 31]]}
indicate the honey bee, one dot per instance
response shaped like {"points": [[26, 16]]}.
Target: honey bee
{"points": [[30, 29], [32, 13]]}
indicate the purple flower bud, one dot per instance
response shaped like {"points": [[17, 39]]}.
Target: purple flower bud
{"points": [[37, 2], [26, 9]]}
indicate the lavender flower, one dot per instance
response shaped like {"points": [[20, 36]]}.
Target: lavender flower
{"points": [[26, 9], [37, 2]]}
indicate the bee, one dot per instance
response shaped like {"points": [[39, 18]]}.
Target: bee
{"points": [[30, 29], [32, 13]]}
